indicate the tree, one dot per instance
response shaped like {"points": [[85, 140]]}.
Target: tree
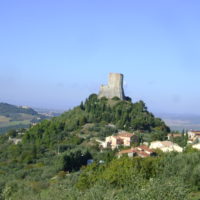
{"points": [[12, 133]]}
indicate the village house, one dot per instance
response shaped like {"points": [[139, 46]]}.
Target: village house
{"points": [[122, 139], [15, 140], [141, 151], [165, 146], [193, 136], [170, 136], [196, 146]]}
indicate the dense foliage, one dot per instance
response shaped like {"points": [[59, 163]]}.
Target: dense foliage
{"points": [[123, 114], [51, 162], [172, 176]]}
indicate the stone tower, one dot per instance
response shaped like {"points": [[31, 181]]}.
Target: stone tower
{"points": [[114, 87]]}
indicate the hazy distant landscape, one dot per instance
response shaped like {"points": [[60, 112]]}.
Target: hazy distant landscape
{"points": [[181, 121], [15, 117]]}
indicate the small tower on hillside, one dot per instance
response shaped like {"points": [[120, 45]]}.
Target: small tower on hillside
{"points": [[114, 87]]}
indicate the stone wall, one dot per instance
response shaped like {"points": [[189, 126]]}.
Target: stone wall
{"points": [[114, 87]]}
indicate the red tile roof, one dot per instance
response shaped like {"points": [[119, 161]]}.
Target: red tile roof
{"points": [[126, 151], [125, 134], [142, 151], [145, 148], [143, 154], [196, 132]]}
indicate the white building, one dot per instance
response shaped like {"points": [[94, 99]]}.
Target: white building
{"points": [[123, 138], [193, 136], [196, 146], [15, 140], [165, 146]]}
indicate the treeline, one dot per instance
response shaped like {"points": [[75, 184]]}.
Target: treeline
{"points": [[123, 114], [169, 176]]}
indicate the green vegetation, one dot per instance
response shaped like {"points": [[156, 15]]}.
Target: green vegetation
{"points": [[13, 117], [51, 161]]}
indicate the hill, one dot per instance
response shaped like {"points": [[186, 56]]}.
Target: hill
{"points": [[13, 117], [8, 109], [123, 115], [50, 162]]}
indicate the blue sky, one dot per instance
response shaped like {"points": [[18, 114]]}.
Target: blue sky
{"points": [[53, 54]]}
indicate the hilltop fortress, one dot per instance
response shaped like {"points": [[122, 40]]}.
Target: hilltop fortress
{"points": [[114, 87]]}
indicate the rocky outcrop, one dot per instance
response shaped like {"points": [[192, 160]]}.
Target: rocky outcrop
{"points": [[114, 87]]}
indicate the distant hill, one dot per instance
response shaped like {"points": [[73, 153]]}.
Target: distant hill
{"points": [[14, 117], [7, 109]]}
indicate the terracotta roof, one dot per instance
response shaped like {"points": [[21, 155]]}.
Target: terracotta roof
{"points": [[167, 143], [164, 144], [196, 132], [143, 154], [145, 148], [142, 151], [127, 151], [125, 134]]}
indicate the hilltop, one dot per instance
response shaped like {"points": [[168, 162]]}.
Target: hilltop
{"points": [[8, 109], [121, 114]]}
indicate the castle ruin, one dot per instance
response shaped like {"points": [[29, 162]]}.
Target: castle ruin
{"points": [[114, 87]]}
